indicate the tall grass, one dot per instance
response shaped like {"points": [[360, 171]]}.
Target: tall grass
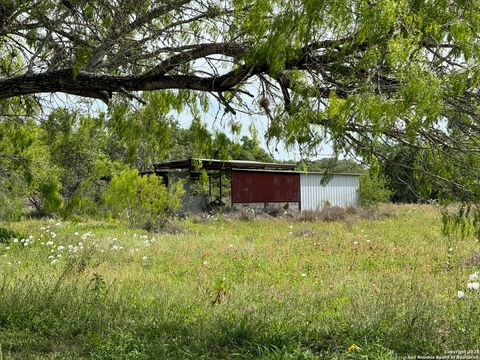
{"points": [[271, 288]]}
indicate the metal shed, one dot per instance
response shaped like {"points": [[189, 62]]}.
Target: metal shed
{"points": [[259, 185], [339, 190], [293, 189]]}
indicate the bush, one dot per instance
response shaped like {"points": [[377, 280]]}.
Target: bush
{"points": [[11, 207], [373, 190], [7, 235], [246, 214], [328, 213], [142, 201], [274, 211]]}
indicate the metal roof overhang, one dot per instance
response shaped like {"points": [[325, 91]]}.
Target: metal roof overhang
{"points": [[193, 164]]}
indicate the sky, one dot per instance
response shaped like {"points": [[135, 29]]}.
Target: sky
{"points": [[214, 122], [212, 119]]}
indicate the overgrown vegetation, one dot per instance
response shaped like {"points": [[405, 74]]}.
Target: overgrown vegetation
{"points": [[61, 164], [143, 201], [272, 288], [332, 165], [7, 235], [373, 190]]}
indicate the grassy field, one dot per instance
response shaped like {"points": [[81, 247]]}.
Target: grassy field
{"points": [[271, 288]]}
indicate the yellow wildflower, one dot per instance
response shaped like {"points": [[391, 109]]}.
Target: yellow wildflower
{"points": [[352, 348]]}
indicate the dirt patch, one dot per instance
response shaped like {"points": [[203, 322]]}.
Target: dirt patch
{"points": [[473, 260]]}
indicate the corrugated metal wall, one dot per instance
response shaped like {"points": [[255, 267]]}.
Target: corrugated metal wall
{"points": [[341, 190], [264, 187]]}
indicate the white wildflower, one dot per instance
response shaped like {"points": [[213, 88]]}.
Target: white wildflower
{"points": [[460, 294], [205, 263], [51, 257], [473, 276], [303, 274], [473, 285], [54, 261], [50, 243], [144, 258], [60, 248], [355, 243]]}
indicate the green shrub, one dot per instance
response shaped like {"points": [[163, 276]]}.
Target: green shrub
{"points": [[12, 206], [142, 201], [7, 235], [373, 190]]}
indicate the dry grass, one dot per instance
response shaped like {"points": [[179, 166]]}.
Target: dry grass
{"points": [[473, 260], [326, 214], [350, 213]]}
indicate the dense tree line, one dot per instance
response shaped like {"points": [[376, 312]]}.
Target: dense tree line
{"points": [[59, 163]]}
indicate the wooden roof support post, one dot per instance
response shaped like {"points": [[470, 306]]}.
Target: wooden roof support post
{"points": [[209, 186], [220, 187]]}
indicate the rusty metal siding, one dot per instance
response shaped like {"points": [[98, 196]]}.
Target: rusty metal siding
{"points": [[341, 190], [265, 187]]}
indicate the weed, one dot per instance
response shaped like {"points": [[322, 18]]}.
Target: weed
{"points": [[7, 235], [267, 287]]}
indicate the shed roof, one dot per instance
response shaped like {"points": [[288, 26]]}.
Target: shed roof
{"points": [[302, 172], [214, 164]]}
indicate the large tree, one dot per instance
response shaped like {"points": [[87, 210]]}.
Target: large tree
{"points": [[360, 73]]}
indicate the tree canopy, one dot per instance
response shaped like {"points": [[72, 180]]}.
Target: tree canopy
{"points": [[364, 75]]}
